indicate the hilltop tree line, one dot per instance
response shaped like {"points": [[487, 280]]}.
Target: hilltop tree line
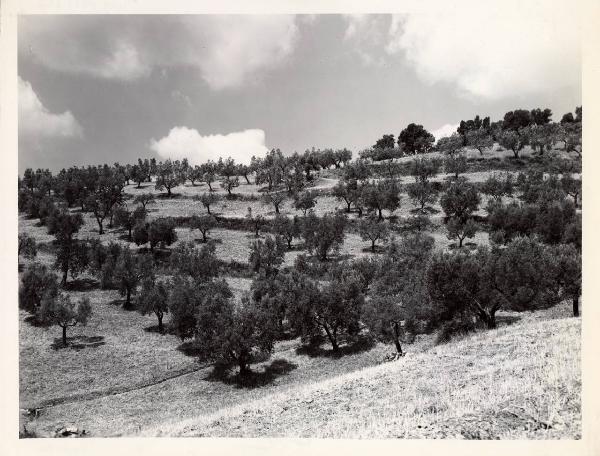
{"points": [[517, 129]]}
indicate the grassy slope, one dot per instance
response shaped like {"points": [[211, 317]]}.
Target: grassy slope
{"points": [[520, 381]]}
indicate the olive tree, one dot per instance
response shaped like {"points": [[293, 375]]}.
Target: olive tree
{"points": [[233, 333], [287, 228], [334, 308], [63, 312], [153, 298], [204, 224], [324, 234], [373, 230], [267, 255], [37, 282], [209, 199]]}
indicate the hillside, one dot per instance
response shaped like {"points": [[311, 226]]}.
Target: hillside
{"points": [[118, 376], [519, 381]]}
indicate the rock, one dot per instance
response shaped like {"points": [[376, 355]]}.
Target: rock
{"points": [[69, 431], [393, 357]]}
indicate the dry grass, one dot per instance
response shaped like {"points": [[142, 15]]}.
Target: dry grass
{"points": [[307, 394], [520, 381]]}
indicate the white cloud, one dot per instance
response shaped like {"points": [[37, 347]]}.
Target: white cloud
{"points": [[227, 51], [35, 120], [493, 50], [364, 32], [240, 46], [124, 62], [183, 142], [444, 130]]}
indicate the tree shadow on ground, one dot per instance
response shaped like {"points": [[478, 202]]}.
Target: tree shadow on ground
{"points": [[426, 210], [465, 246], [253, 379], [357, 345], [167, 196], [154, 330], [505, 320], [82, 284], [188, 348], [209, 240], [125, 236], [378, 249], [120, 302], [78, 342], [36, 322]]}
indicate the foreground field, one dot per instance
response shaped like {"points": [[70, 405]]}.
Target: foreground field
{"points": [[500, 383]]}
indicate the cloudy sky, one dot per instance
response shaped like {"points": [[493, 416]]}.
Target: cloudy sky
{"points": [[96, 89]]}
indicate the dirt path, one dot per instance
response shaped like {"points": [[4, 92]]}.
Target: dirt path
{"points": [[82, 397]]}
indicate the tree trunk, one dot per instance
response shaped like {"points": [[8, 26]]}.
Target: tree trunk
{"points": [[100, 230], [576, 305], [204, 236], [397, 338], [169, 191], [380, 214], [373, 246], [127, 304], [247, 180], [516, 152], [348, 203], [460, 241], [244, 368], [289, 243], [159, 315], [489, 318], [64, 336], [139, 184], [277, 209], [210, 187], [332, 339]]}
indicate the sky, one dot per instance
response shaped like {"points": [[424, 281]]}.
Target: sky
{"points": [[102, 89]]}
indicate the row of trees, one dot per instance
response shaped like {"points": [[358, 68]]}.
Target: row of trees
{"points": [[517, 129]]}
